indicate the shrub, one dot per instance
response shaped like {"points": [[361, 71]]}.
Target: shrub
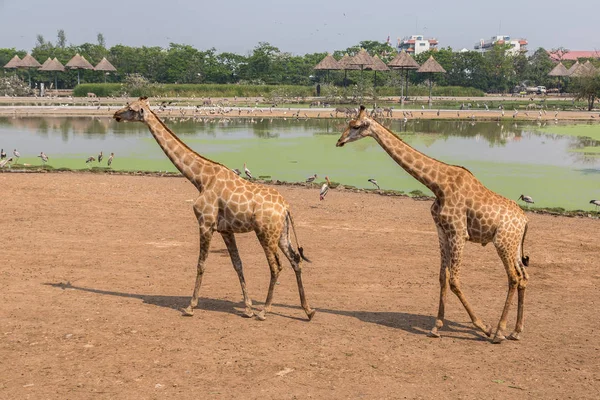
{"points": [[14, 86]]}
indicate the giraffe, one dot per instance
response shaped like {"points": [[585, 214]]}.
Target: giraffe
{"points": [[228, 204], [464, 210]]}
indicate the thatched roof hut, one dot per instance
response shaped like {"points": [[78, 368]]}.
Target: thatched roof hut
{"points": [[13, 63], [573, 68], [431, 66], [362, 59], [29, 62], [48, 61], [105, 65], [344, 63], [53, 65], [328, 64], [378, 65], [403, 61], [559, 70], [79, 62]]}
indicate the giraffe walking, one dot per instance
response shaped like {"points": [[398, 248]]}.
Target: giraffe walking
{"points": [[464, 210], [228, 204]]}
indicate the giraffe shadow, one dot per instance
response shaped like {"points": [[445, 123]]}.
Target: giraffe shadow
{"points": [[416, 324]]}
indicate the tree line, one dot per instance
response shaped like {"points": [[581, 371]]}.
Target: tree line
{"points": [[495, 71]]}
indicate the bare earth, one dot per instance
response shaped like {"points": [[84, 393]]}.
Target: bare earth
{"points": [[94, 268]]}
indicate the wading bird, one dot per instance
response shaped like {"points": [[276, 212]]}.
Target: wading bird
{"points": [[374, 182], [596, 203], [311, 179], [90, 159], [526, 199], [17, 155], [237, 171], [247, 171], [2, 154], [324, 189], [4, 162], [44, 157], [110, 159], [100, 157]]}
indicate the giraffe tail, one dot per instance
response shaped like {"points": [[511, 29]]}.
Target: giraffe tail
{"points": [[300, 254], [524, 259]]}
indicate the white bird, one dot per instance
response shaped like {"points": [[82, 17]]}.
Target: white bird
{"points": [[17, 155], [374, 182], [324, 189], [247, 172], [4, 162], [596, 203], [526, 199], [311, 178], [44, 157], [110, 159], [237, 171]]}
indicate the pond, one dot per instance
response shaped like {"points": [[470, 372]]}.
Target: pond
{"points": [[558, 165]]}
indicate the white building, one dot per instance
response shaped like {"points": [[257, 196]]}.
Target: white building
{"points": [[416, 44], [516, 45]]}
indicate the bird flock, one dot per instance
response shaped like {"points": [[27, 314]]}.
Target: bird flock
{"points": [[6, 161]]}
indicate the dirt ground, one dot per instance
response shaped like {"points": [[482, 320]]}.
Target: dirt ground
{"points": [[94, 269]]}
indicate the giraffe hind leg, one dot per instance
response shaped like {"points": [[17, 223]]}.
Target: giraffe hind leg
{"points": [[295, 259], [229, 239], [270, 248], [514, 278]]}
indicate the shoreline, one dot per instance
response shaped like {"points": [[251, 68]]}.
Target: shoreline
{"points": [[554, 211]]}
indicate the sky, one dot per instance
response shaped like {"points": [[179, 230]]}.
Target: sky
{"points": [[298, 27]]}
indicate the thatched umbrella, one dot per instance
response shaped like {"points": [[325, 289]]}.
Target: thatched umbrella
{"points": [[78, 62], [29, 62], [344, 63], [378, 65], [106, 66], [362, 59], [559, 71], [573, 68], [431, 67], [403, 61], [53, 65], [327, 64], [14, 63]]}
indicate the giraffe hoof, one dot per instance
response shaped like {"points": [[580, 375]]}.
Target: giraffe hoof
{"points": [[433, 334], [514, 336], [261, 316], [310, 314], [488, 330], [499, 338], [187, 312], [248, 313]]}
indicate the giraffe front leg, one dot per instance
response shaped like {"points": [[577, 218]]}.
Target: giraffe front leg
{"points": [[229, 240], [205, 237]]}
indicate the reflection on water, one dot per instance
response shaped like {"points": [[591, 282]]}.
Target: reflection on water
{"points": [[508, 157]]}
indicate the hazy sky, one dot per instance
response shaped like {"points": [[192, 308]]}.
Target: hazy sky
{"points": [[298, 27]]}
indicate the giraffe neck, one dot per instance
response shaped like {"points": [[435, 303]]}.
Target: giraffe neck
{"points": [[429, 171], [186, 160]]}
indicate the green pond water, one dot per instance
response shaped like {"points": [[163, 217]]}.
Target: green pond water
{"points": [[557, 165]]}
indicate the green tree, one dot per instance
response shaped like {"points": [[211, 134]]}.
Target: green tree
{"points": [[587, 87], [61, 39]]}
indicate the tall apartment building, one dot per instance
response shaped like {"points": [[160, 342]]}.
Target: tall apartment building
{"points": [[416, 44], [516, 45]]}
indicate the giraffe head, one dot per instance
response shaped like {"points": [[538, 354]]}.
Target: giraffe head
{"points": [[135, 111], [357, 128]]}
